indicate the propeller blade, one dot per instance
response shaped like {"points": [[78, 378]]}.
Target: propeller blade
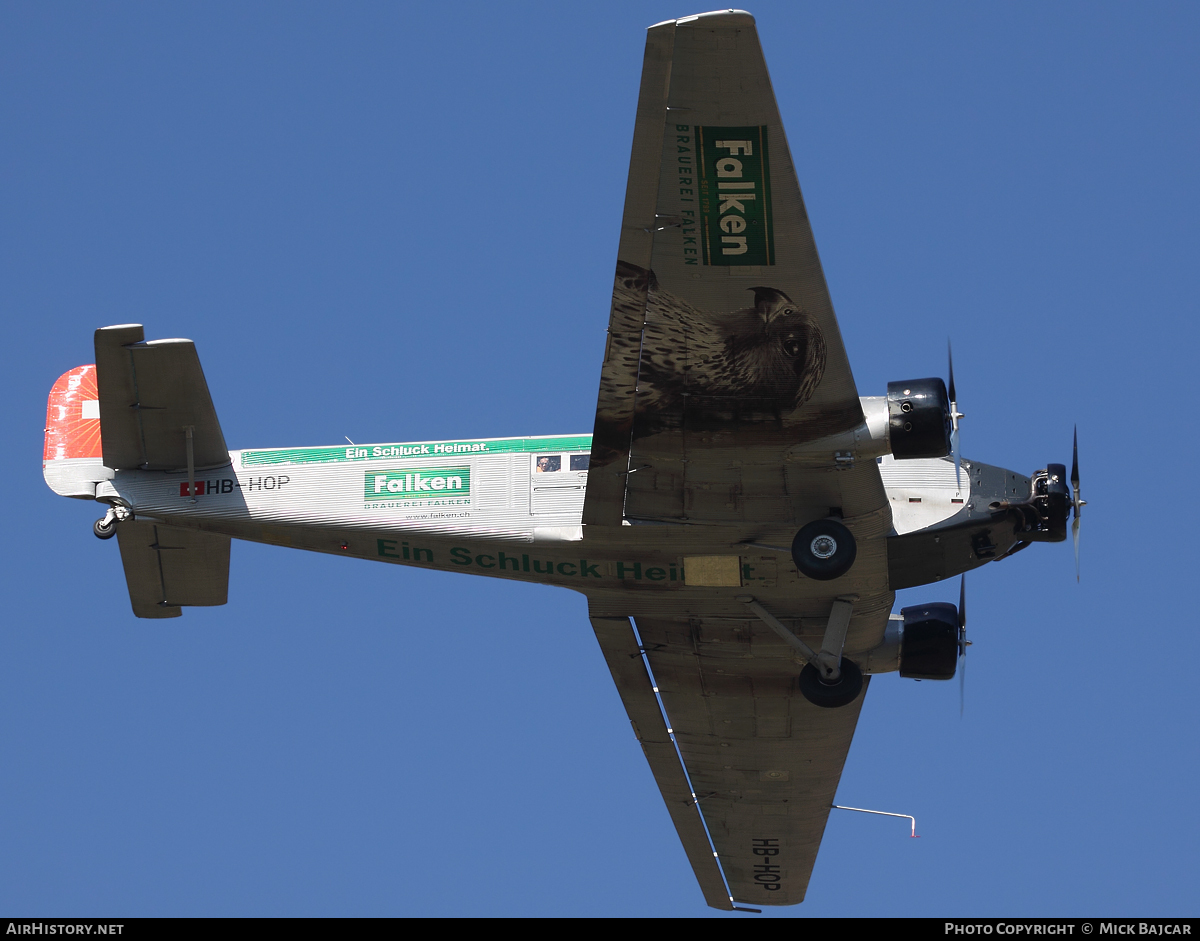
{"points": [[962, 604], [1075, 536], [962, 645], [957, 459], [1076, 499], [950, 358], [954, 417], [962, 685]]}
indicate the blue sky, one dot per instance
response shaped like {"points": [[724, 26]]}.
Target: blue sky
{"points": [[399, 222]]}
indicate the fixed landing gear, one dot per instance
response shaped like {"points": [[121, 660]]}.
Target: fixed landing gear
{"points": [[824, 550], [828, 679], [840, 692], [106, 526]]}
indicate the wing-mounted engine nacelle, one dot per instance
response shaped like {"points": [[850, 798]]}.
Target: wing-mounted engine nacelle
{"points": [[911, 421], [918, 419], [929, 645], [922, 642]]}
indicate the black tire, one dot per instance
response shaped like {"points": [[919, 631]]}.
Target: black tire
{"points": [[104, 529], [814, 540], [832, 695]]}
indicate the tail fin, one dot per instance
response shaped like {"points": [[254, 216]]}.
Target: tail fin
{"points": [[171, 425], [72, 461]]}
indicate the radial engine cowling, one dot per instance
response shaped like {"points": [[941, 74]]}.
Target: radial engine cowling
{"points": [[1051, 492], [929, 644], [918, 418]]}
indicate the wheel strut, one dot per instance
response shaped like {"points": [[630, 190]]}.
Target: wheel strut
{"points": [[106, 526], [827, 679]]}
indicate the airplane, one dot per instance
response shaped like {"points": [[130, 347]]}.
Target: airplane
{"points": [[739, 519]]}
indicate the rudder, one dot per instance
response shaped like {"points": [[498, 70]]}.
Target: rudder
{"points": [[72, 459]]}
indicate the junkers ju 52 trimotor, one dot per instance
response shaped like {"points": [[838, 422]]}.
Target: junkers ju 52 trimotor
{"points": [[739, 520]]}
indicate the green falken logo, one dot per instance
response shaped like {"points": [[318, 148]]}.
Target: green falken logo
{"points": [[419, 486], [735, 196]]}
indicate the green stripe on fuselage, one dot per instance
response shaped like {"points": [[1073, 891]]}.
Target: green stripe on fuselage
{"points": [[418, 449]]}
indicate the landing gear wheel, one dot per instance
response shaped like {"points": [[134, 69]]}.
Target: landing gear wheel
{"points": [[824, 549], [105, 528], [831, 695]]}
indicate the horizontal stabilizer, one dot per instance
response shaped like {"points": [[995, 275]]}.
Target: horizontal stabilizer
{"points": [[150, 395], [166, 568]]}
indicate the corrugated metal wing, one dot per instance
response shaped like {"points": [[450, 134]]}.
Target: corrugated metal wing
{"points": [[624, 659], [764, 762], [723, 355], [723, 348]]}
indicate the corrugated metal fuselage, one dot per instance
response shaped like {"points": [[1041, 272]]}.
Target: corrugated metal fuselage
{"points": [[511, 508]]}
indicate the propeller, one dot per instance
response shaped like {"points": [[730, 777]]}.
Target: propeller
{"points": [[963, 644], [955, 415], [1078, 503]]}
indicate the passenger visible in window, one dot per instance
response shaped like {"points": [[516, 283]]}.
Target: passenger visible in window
{"points": [[546, 463], [579, 461]]}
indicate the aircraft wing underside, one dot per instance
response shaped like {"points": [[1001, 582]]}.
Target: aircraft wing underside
{"points": [[724, 371], [763, 762], [723, 349]]}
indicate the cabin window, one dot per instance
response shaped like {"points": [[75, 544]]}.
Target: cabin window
{"points": [[557, 483]]}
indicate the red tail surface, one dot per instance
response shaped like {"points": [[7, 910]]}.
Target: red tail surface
{"points": [[73, 416]]}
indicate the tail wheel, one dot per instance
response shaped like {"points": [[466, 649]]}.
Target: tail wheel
{"points": [[824, 549], [105, 528], [842, 692]]}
